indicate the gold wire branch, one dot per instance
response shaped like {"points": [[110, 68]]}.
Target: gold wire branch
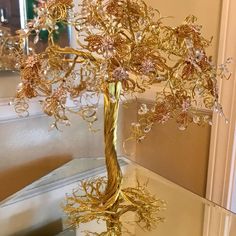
{"points": [[124, 41]]}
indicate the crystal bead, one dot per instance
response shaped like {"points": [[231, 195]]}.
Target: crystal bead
{"points": [[182, 127], [196, 119]]}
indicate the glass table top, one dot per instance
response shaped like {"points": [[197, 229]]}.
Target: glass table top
{"points": [[37, 209]]}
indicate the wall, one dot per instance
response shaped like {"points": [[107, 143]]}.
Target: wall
{"points": [[182, 156], [8, 82]]}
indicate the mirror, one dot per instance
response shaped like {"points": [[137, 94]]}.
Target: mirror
{"points": [[14, 14], [10, 21], [10, 16]]}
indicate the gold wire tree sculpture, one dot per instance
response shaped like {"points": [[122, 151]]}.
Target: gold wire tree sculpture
{"points": [[123, 48]]}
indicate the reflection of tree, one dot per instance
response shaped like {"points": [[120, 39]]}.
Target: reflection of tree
{"points": [[10, 46], [123, 48], [86, 208], [61, 34], [11, 11], [10, 50]]}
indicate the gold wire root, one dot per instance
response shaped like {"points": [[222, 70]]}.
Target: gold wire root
{"points": [[84, 205]]}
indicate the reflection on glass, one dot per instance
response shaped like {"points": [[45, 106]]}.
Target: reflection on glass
{"points": [[10, 15], [82, 208], [9, 47], [14, 15], [186, 214], [9, 44], [41, 37]]}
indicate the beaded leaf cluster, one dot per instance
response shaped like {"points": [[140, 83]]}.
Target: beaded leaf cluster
{"points": [[122, 41]]}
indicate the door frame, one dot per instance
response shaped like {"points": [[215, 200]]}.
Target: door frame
{"points": [[222, 163]]}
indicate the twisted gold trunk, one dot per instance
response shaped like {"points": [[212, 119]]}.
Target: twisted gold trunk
{"points": [[111, 109], [114, 174]]}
